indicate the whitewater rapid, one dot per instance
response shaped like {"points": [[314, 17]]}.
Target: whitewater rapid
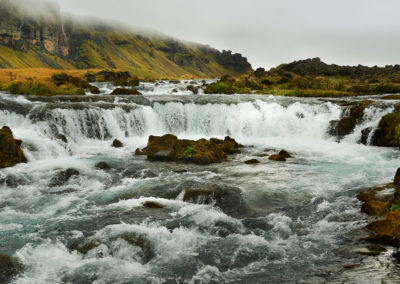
{"points": [[305, 221]]}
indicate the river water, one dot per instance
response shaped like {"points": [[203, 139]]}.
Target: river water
{"points": [[301, 224]]}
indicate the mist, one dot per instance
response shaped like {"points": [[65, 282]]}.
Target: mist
{"points": [[267, 32]]}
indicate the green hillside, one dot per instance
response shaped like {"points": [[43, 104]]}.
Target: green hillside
{"points": [[49, 39]]}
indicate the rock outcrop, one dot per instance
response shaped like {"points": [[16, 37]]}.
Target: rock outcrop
{"points": [[388, 132], [346, 125], [383, 201], [201, 152], [124, 92], [10, 149]]}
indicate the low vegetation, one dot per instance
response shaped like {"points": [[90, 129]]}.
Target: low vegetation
{"points": [[312, 78]]}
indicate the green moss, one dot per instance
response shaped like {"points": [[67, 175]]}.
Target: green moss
{"points": [[188, 152]]}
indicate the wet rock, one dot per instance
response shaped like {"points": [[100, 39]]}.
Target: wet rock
{"points": [[386, 135], [277, 157], [140, 152], [377, 248], [94, 90], [9, 267], [346, 125], [193, 89], [130, 82], [123, 91], [175, 90], [285, 154], [63, 177], [102, 247], [252, 162], [375, 208], [153, 204], [383, 239], [228, 199], [103, 166], [364, 135], [62, 137], [10, 149], [201, 152], [117, 144], [174, 82], [396, 180]]}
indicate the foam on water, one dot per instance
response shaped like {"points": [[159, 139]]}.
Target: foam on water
{"points": [[304, 208]]}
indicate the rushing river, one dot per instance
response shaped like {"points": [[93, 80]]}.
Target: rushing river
{"points": [[301, 224]]}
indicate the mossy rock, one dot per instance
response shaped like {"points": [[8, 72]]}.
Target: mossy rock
{"points": [[10, 149], [388, 131], [122, 91]]}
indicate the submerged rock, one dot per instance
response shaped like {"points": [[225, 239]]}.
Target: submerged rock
{"points": [[252, 162], [103, 166], [63, 177], [153, 204], [123, 91], [10, 149], [117, 144], [140, 152], [228, 199], [9, 267], [62, 137], [201, 152], [277, 157], [285, 154]]}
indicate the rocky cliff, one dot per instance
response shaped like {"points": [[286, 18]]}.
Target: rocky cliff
{"points": [[40, 36]]}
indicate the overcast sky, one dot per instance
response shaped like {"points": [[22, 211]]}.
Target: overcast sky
{"points": [[268, 32]]}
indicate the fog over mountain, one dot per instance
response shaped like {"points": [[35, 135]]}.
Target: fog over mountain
{"points": [[268, 32]]}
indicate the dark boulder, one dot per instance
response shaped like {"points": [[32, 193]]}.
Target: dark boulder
{"points": [[62, 137], [9, 267], [108, 76], [252, 162], [396, 180], [94, 90], [193, 89], [10, 149], [63, 177], [103, 166], [117, 144], [123, 92], [140, 152], [364, 135], [228, 199], [285, 154], [277, 157], [153, 204]]}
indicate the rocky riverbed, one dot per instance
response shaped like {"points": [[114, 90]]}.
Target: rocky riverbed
{"points": [[83, 210]]}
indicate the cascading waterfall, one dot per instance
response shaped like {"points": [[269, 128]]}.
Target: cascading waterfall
{"points": [[304, 210]]}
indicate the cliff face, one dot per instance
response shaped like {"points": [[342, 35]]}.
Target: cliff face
{"points": [[20, 30], [44, 38]]}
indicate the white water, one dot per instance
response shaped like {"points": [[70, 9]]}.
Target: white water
{"points": [[191, 243]]}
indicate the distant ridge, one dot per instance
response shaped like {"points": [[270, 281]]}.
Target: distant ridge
{"points": [[43, 37]]}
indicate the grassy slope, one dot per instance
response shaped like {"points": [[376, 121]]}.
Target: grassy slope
{"points": [[116, 50]]}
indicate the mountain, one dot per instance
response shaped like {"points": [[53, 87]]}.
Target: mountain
{"points": [[36, 34]]}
